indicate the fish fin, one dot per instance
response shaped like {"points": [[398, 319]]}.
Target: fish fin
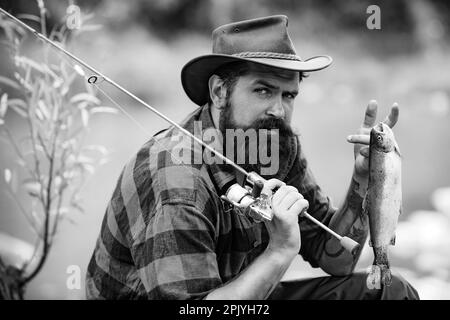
{"points": [[397, 150], [392, 241]]}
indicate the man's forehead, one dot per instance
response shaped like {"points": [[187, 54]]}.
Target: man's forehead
{"points": [[258, 70]]}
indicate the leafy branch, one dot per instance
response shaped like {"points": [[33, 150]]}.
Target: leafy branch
{"points": [[53, 162]]}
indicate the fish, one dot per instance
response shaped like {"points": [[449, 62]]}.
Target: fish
{"points": [[383, 200]]}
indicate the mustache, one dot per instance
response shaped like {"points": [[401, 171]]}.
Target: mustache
{"points": [[273, 123]]}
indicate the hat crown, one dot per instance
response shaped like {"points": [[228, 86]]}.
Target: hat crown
{"points": [[268, 34]]}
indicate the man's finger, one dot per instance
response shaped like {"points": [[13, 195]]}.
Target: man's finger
{"points": [[271, 185], [392, 118], [300, 206], [359, 138], [365, 152], [288, 200], [371, 114], [282, 193]]}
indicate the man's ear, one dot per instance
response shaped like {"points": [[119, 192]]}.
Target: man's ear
{"points": [[217, 91]]}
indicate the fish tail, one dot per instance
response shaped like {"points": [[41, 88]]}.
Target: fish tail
{"points": [[382, 261], [373, 280], [379, 275], [392, 243], [379, 272], [386, 275]]}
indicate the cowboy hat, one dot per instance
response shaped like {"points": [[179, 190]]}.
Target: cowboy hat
{"points": [[263, 40]]}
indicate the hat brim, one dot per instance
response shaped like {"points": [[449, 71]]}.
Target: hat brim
{"points": [[195, 74]]}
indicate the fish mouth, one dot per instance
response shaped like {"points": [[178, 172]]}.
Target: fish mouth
{"points": [[379, 128]]}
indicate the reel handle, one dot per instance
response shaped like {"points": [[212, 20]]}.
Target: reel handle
{"points": [[350, 245]]}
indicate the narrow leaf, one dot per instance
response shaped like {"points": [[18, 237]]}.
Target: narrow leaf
{"points": [[9, 82], [33, 189], [3, 105], [84, 159], [79, 70], [29, 17], [39, 114], [8, 175], [24, 61], [84, 96], [17, 102], [43, 108], [89, 168], [16, 107], [98, 148], [104, 110], [85, 117]]}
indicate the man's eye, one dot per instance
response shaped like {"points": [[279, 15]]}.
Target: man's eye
{"points": [[262, 91], [290, 96]]}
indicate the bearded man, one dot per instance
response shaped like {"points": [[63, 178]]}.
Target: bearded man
{"points": [[167, 234]]}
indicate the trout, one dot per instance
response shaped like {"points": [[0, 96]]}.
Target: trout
{"points": [[383, 201]]}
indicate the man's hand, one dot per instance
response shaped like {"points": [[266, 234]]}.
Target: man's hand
{"points": [[362, 137], [259, 279], [287, 204]]}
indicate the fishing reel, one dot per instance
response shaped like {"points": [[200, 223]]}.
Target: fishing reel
{"points": [[248, 197]]}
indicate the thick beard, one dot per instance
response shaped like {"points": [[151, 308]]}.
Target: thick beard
{"points": [[285, 137]]}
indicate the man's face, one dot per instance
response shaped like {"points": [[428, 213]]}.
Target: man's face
{"points": [[263, 98], [263, 93]]}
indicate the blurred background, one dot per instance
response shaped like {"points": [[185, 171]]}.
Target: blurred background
{"points": [[144, 44]]}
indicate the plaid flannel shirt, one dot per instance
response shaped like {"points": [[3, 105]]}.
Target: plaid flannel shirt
{"points": [[166, 234]]}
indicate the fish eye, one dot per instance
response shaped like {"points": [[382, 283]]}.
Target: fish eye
{"points": [[379, 138]]}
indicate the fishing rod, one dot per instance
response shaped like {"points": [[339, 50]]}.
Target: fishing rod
{"points": [[246, 195]]}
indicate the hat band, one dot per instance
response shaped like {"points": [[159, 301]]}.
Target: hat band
{"points": [[271, 55]]}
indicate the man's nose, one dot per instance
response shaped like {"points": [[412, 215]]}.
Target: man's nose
{"points": [[276, 110]]}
